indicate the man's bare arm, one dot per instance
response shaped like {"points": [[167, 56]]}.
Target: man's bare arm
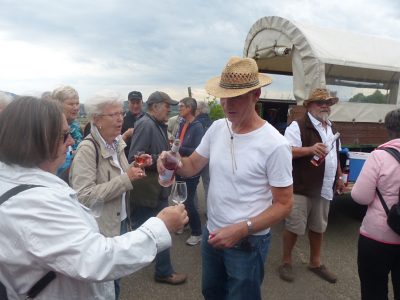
{"points": [[189, 166], [316, 149]]}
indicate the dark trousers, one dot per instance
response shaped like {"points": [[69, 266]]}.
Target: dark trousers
{"points": [[163, 259], [375, 261], [191, 205]]}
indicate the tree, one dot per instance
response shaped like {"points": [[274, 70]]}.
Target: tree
{"points": [[376, 97], [216, 111]]}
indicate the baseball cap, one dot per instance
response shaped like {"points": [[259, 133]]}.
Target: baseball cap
{"points": [[135, 95], [158, 97]]}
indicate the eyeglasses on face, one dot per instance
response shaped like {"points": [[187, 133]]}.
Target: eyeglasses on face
{"points": [[65, 135], [323, 102], [114, 115]]}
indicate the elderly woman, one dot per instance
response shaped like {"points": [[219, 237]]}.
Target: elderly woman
{"points": [[46, 229], [190, 134], [378, 244], [100, 171], [69, 100]]}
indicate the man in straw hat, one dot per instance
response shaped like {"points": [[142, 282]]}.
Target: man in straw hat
{"points": [[250, 184], [313, 186]]}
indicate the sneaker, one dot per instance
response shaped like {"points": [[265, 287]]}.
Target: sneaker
{"points": [[286, 272], [179, 232], [324, 273], [173, 279], [193, 240]]}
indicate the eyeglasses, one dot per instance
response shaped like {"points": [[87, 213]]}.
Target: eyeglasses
{"points": [[114, 115], [64, 136], [323, 102]]}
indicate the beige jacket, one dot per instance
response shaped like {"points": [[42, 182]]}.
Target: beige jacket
{"points": [[104, 184]]}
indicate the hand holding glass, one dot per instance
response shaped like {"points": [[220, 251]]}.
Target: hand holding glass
{"points": [[140, 160], [179, 192]]}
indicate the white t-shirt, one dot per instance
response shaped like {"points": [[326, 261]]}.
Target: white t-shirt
{"points": [[263, 159], [292, 134]]}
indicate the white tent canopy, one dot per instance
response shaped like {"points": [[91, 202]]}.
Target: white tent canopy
{"points": [[319, 56]]}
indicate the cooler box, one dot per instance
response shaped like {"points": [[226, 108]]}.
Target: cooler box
{"points": [[357, 160]]}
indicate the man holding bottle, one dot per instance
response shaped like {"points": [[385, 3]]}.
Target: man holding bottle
{"points": [[250, 184], [312, 136], [149, 198]]}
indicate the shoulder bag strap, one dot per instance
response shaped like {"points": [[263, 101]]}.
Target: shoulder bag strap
{"points": [[96, 145], [396, 155], [393, 152], [46, 279], [382, 201]]}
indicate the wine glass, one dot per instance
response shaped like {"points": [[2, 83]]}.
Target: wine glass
{"points": [[179, 192], [140, 159]]}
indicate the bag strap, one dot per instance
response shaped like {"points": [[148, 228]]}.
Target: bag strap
{"points": [[96, 145], [396, 155], [49, 276], [382, 201], [16, 190]]}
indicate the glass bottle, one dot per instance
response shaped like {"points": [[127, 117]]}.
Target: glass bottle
{"points": [[171, 162], [317, 160]]}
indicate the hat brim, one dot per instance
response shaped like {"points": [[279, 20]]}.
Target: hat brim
{"points": [[213, 88], [333, 99]]}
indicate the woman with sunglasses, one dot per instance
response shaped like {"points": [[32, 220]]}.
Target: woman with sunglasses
{"points": [[46, 229]]}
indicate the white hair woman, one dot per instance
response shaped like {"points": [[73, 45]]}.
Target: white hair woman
{"points": [[69, 99], [46, 229], [100, 171]]}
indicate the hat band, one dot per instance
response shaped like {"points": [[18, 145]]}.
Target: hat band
{"points": [[228, 85]]}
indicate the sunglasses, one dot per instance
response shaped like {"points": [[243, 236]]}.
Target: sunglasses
{"points": [[323, 102], [65, 136]]}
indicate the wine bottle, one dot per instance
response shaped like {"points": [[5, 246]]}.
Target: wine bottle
{"points": [[171, 162], [346, 172], [317, 160]]}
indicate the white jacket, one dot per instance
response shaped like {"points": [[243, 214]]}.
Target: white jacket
{"points": [[46, 228]]}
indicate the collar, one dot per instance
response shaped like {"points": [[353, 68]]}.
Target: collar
{"points": [[111, 148]]}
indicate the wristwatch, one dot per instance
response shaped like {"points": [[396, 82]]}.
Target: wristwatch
{"points": [[249, 226]]}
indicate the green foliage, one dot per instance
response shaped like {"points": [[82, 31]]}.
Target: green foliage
{"points": [[216, 111], [376, 97]]}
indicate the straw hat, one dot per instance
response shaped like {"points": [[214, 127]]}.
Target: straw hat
{"points": [[321, 94], [239, 76]]}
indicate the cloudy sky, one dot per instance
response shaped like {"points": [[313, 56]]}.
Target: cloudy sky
{"points": [[152, 45]]}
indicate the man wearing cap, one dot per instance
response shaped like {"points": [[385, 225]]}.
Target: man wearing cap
{"points": [[149, 198], [250, 184], [313, 186], [135, 112]]}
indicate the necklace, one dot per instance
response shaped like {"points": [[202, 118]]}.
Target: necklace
{"points": [[233, 158]]}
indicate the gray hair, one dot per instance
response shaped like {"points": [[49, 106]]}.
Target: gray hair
{"points": [[190, 102], [392, 123], [65, 92], [202, 107], [5, 99], [96, 103]]}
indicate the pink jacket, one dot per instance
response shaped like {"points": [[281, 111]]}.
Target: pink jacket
{"points": [[383, 171]]}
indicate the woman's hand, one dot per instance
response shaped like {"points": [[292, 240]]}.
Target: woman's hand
{"points": [[135, 173], [174, 217]]}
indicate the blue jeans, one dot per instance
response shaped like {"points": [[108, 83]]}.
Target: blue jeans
{"points": [[117, 282], [234, 273], [163, 259], [191, 206]]}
